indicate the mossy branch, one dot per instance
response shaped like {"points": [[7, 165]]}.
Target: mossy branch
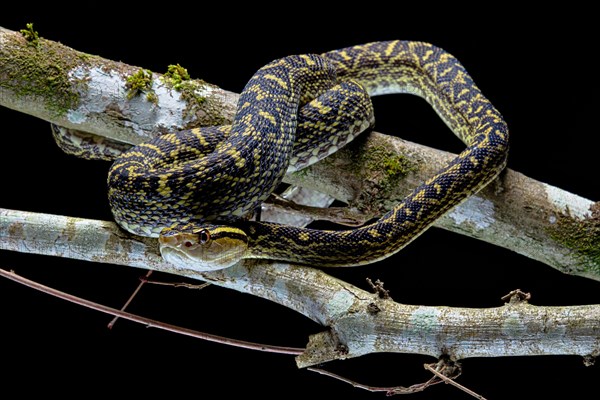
{"points": [[80, 91]]}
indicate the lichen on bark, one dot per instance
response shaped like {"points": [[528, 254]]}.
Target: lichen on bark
{"points": [[582, 236], [381, 169], [84, 92]]}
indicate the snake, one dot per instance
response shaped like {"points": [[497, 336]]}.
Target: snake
{"points": [[193, 189]]}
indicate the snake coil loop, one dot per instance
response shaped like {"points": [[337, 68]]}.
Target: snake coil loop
{"points": [[191, 188]]}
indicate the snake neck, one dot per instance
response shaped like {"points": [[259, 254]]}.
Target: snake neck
{"points": [[370, 243]]}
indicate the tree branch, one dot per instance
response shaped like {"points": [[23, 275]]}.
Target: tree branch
{"points": [[85, 92], [532, 218], [91, 94], [359, 322]]}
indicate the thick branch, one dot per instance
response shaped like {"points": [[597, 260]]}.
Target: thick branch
{"points": [[360, 322], [516, 212], [89, 93]]}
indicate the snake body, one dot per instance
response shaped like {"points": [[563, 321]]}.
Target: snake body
{"points": [[225, 172], [156, 186]]}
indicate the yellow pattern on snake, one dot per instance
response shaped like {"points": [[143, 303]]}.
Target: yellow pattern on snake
{"points": [[162, 184]]}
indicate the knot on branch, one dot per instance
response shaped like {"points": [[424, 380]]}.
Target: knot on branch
{"points": [[373, 309], [516, 296], [589, 360], [378, 289]]}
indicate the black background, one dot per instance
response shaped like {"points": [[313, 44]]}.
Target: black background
{"points": [[537, 68]]}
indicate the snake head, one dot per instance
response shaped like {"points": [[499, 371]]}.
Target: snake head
{"points": [[203, 248]]}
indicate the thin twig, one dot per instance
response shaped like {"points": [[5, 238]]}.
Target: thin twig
{"points": [[391, 390], [147, 321], [438, 377], [177, 284], [339, 215], [451, 381], [135, 292], [145, 280]]}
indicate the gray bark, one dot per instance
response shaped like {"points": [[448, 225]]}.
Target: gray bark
{"points": [[359, 322]]}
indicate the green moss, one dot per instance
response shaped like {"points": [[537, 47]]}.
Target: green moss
{"points": [[152, 97], [188, 90], [391, 164], [582, 236], [178, 78], [305, 172], [30, 34], [175, 76], [388, 166], [139, 82], [40, 70], [381, 170]]}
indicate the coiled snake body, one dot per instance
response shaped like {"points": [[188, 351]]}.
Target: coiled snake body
{"points": [[199, 182]]}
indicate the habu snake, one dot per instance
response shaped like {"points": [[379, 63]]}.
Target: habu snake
{"points": [[193, 187]]}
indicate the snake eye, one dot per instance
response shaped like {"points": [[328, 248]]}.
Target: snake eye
{"points": [[204, 236]]}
